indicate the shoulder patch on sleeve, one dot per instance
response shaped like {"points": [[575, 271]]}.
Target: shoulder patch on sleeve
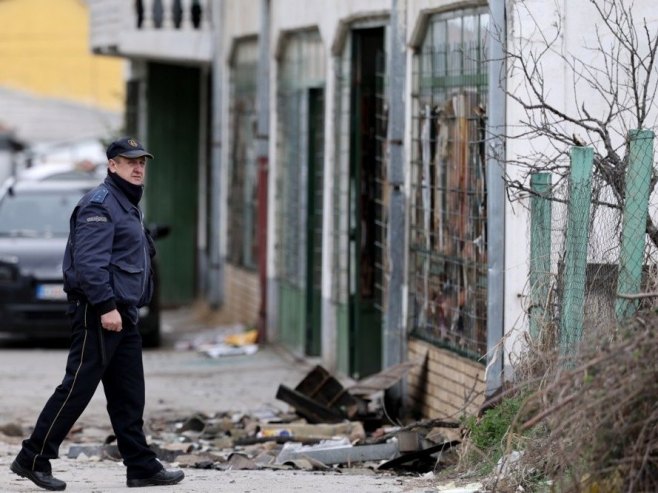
{"points": [[96, 219], [99, 196]]}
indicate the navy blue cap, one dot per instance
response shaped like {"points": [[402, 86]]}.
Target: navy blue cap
{"points": [[126, 147]]}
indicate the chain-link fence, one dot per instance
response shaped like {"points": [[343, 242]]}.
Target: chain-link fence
{"points": [[594, 246]]}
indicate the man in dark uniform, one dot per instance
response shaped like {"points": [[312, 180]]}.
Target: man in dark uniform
{"points": [[107, 276]]}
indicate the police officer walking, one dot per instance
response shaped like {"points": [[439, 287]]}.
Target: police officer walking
{"points": [[107, 277]]}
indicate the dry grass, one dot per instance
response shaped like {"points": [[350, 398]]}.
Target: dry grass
{"points": [[593, 417]]}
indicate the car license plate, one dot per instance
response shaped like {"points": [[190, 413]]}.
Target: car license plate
{"points": [[50, 292]]}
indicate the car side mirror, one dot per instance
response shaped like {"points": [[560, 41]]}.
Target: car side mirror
{"points": [[158, 231]]}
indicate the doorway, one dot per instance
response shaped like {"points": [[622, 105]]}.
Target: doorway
{"points": [[366, 180]]}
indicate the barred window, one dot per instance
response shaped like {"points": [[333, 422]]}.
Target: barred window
{"points": [[448, 216]]}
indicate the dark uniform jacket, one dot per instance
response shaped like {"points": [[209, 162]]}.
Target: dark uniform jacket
{"points": [[107, 261]]}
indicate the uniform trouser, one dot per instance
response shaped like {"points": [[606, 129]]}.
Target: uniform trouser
{"points": [[96, 355]]}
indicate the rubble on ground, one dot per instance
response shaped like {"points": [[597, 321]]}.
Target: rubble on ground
{"points": [[329, 427]]}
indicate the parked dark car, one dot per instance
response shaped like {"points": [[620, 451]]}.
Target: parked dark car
{"points": [[34, 224]]}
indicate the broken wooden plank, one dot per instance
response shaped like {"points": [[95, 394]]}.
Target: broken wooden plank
{"points": [[325, 389], [313, 411], [382, 380]]}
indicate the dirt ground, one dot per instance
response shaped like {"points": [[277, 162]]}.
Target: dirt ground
{"points": [[179, 383]]}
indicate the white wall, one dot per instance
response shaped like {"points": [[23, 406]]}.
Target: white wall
{"points": [[532, 22]]}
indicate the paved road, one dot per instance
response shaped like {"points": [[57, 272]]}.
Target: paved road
{"points": [[179, 383]]}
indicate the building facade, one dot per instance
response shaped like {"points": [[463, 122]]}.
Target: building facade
{"points": [[337, 171]]}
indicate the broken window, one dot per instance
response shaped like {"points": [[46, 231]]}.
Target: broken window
{"points": [[448, 217], [242, 190]]}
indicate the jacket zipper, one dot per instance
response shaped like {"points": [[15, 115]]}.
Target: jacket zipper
{"points": [[145, 273]]}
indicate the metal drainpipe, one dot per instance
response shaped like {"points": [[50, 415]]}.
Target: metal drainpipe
{"points": [[216, 267], [496, 196], [262, 139], [395, 342]]}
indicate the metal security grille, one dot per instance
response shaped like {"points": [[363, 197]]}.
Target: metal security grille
{"points": [[448, 246], [380, 183], [344, 196], [300, 87], [242, 193]]}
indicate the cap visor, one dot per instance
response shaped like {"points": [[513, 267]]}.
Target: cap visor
{"points": [[133, 154]]}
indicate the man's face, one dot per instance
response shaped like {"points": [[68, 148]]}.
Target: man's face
{"points": [[133, 170]]}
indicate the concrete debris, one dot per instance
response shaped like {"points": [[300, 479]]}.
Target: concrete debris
{"points": [[100, 452], [454, 488], [325, 433], [238, 461], [338, 452], [11, 430], [201, 460], [181, 448], [194, 423]]}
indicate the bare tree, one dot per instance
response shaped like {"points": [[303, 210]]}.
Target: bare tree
{"points": [[613, 91]]}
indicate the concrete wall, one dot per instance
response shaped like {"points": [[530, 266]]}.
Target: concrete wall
{"points": [[530, 24]]}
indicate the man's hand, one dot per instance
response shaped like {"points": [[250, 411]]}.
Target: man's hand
{"points": [[112, 321]]}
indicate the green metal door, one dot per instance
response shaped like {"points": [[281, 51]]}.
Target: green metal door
{"points": [[172, 180], [314, 221], [300, 317], [366, 242]]}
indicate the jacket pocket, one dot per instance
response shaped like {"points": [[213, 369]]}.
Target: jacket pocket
{"points": [[128, 282]]}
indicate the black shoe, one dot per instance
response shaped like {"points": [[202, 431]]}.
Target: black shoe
{"points": [[163, 478], [44, 480]]}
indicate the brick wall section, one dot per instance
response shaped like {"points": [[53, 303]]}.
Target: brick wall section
{"points": [[443, 384], [242, 295]]}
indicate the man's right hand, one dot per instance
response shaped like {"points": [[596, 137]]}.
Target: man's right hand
{"points": [[112, 321]]}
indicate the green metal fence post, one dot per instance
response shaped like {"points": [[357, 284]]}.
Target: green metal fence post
{"points": [[540, 250], [636, 205], [575, 261]]}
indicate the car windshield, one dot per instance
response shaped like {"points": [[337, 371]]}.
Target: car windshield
{"points": [[43, 213]]}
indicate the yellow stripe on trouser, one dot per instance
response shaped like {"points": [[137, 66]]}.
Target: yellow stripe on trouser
{"points": [[82, 355]]}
